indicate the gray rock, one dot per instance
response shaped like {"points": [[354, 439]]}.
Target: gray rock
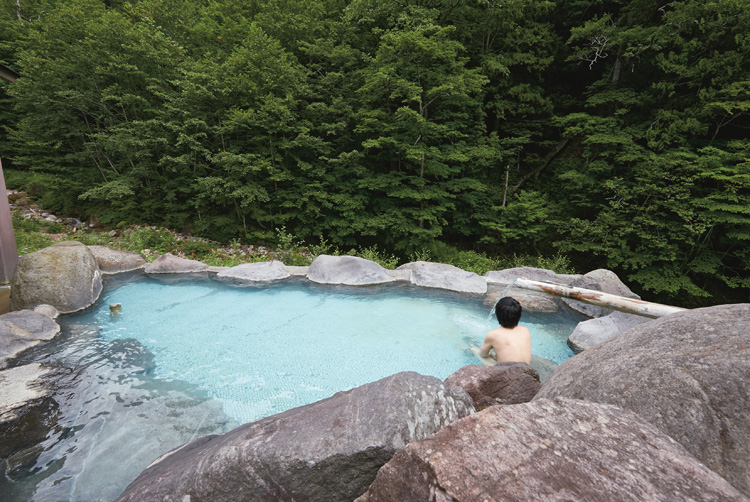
{"points": [[400, 275], [509, 275], [21, 330], [590, 333], [531, 301], [544, 367], [255, 272], [326, 451], [171, 264], [64, 275], [442, 276], [687, 373], [114, 261], [503, 383], [23, 402], [598, 280], [47, 310], [216, 269], [349, 270], [562, 450]]}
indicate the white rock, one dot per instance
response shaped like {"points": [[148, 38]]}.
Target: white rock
{"points": [[442, 276], [348, 270], [595, 331], [256, 272], [18, 386], [171, 264]]}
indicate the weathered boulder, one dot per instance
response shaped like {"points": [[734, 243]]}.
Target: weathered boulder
{"points": [[114, 261], [531, 301], [559, 450], [509, 275], [687, 373], [544, 367], [64, 275], [590, 333], [255, 272], [598, 280], [503, 383], [24, 401], [21, 330], [443, 276], [171, 264], [326, 451], [348, 270]]}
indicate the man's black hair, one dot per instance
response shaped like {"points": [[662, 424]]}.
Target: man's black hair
{"points": [[508, 312]]}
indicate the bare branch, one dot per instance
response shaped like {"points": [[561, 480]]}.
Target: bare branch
{"points": [[597, 44]]}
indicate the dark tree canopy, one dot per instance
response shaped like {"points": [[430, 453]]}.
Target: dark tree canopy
{"points": [[613, 131]]}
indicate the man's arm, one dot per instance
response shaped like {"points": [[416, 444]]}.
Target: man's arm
{"points": [[483, 353]]}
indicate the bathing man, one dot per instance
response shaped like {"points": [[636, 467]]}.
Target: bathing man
{"points": [[510, 341]]}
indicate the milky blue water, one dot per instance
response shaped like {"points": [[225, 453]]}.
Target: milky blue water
{"points": [[263, 350], [187, 358]]}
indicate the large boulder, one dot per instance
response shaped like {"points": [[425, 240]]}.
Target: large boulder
{"points": [[509, 275], [64, 275], [443, 276], [602, 280], [687, 373], [503, 383], [255, 272], [591, 333], [531, 301], [547, 450], [114, 261], [24, 402], [21, 330], [348, 270], [327, 451], [171, 264]]}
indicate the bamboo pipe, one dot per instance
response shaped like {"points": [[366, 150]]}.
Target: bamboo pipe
{"points": [[627, 305]]}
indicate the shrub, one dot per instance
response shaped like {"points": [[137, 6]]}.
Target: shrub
{"points": [[197, 249], [28, 242], [371, 253]]}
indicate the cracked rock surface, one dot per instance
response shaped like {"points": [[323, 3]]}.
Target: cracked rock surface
{"points": [[554, 451], [687, 373], [327, 451]]}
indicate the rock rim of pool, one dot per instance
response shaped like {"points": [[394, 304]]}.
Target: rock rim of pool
{"points": [[444, 276], [171, 264], [593, 332], [64, 275], [21, 330], [115, 261], [329, 450], [261, 271], [347, 270]]}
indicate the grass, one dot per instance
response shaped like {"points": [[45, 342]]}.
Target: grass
{"points": [[152, 242]]}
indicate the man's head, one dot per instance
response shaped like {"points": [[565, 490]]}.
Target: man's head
{"points": [[508, 312]]}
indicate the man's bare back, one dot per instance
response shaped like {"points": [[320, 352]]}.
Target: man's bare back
{"points": [[509, 344]]}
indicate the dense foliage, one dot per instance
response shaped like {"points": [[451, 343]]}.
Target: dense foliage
{"points": [[612, 131]]}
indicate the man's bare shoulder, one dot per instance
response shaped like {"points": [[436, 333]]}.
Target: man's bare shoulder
{"points": [[503, 332]]}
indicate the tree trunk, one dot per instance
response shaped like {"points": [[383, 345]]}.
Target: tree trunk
{"points": [[507, 175], [627, 305]]}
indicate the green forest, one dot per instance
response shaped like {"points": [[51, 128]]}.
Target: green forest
{"points": [[611, 132]]}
